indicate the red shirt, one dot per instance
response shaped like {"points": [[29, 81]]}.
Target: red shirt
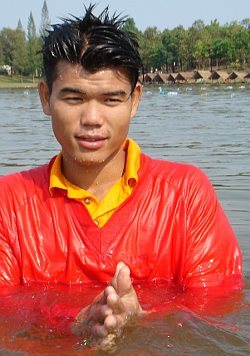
{"points": [[171, 228]]}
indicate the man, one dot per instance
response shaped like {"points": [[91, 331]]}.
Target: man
{"points": [[101, 209]]}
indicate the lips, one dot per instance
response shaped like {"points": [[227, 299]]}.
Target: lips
{"points": [[91, 142]]}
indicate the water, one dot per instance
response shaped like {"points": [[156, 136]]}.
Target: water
{"points": [[208, 126]]}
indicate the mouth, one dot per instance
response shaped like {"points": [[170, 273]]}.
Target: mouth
{"points": [[91, 142]]}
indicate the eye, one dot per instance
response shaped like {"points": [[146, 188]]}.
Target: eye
{"points": [[73, 99], [113, 101]]}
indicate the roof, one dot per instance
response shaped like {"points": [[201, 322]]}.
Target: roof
{"points": [[202, 74], [235, 74], [184, 76], [149, 77], [219, 75], [160, 77], [171, 77]]}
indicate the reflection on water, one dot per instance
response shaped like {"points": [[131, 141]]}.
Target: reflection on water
{"points": [[207, 126]]}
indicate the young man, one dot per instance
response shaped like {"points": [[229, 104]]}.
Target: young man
{"points": [[101, 208]]}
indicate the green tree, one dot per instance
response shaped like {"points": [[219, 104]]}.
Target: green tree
{"points": [[242, 45], [33, 46], [129, 25], [45, 20], [151, 40], [159, 58], [180, 48], [20, 53], [9, 43], [223, 51], [20, 26], [199, 44], [167, 39], [1, 52], [246, 23], [13, 45]]}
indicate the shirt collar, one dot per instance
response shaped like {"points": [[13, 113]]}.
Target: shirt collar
{"points": [[57, 179]]}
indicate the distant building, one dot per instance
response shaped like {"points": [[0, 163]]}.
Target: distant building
{"points": [[5, 69], [202, 76], [171, 78], [219, 76], [236, 77], [197, 76], [247, 78], [184, 77], [148, 78], [160, 78]]}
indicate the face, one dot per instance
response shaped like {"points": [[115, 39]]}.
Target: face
{"points": [[90, 112]]}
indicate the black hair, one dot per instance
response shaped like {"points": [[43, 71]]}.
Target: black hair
{"points": [[94, 42]]}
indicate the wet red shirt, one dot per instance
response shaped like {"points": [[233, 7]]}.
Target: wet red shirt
{"points": [[171, 228]]}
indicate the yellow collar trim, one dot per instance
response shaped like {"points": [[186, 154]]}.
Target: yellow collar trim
{"points": [[130, 177]]}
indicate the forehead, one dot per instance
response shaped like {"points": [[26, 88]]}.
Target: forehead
{"points": [[67, 72]]}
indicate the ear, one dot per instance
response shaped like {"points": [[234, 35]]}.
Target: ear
{"points": [[44, 97], [136, 96]]}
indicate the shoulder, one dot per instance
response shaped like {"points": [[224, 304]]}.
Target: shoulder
{"points": [[179, 175], [18, 187], [185, 181]]}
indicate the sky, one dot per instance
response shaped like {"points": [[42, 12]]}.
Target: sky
{"points": [[160, 13]]}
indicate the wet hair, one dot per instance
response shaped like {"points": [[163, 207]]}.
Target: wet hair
{"points": [[94, 42]]}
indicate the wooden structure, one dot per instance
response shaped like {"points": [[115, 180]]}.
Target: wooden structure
{"points": [[171, 78], [247, 78], [236, 77], [184, 77], [196, 76], [219, 76], [149, 78], [160, 78], [202, 76]]}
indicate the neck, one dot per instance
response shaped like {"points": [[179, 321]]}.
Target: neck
{"points": [[97, 179]]}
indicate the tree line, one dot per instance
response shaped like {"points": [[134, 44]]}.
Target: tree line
{"points": [[200, 46], [21, 51]]}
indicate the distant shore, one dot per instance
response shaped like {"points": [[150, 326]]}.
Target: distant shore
{"points": [[197, 77], [8, 82], [157, 78]]}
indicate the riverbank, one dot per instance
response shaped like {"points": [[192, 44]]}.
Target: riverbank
{"points": [[197, 77], [8, 82]]}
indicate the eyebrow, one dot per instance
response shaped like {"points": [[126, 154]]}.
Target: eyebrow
{"points": [[115, 93], [66, 90], [71, 90]]}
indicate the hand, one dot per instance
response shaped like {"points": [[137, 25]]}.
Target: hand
{"points": [[110, 310]]}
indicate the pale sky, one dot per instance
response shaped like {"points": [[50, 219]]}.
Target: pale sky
{"points": [[160, 13]]}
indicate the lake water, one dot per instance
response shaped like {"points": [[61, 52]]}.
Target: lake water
{"points": [[208, 126]]}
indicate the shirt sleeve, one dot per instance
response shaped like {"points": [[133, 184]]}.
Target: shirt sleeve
{"points": [[9, 268], [24, 306], [213, 256]]}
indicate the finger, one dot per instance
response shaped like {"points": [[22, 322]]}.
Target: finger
{"points": [[118, 268], [124, 282], [99, 330], [111, 323], [107, 291], [106, 311]]}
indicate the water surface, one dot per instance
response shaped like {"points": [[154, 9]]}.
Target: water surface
{"points": [[208, 126]]}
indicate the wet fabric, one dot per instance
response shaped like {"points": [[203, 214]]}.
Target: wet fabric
{"points": [[101, 211], [171, 228]]}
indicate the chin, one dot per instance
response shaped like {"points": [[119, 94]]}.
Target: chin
{"points": [[88, 162]]}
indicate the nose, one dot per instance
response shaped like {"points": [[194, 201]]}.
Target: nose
{"points": [[92, 114]]}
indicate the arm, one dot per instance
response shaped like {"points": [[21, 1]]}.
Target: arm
{"points": [[27, 305], [213, 256]]}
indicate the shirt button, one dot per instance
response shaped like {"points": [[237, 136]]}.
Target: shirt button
{"points": [[96, 222], [87, 201]]}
